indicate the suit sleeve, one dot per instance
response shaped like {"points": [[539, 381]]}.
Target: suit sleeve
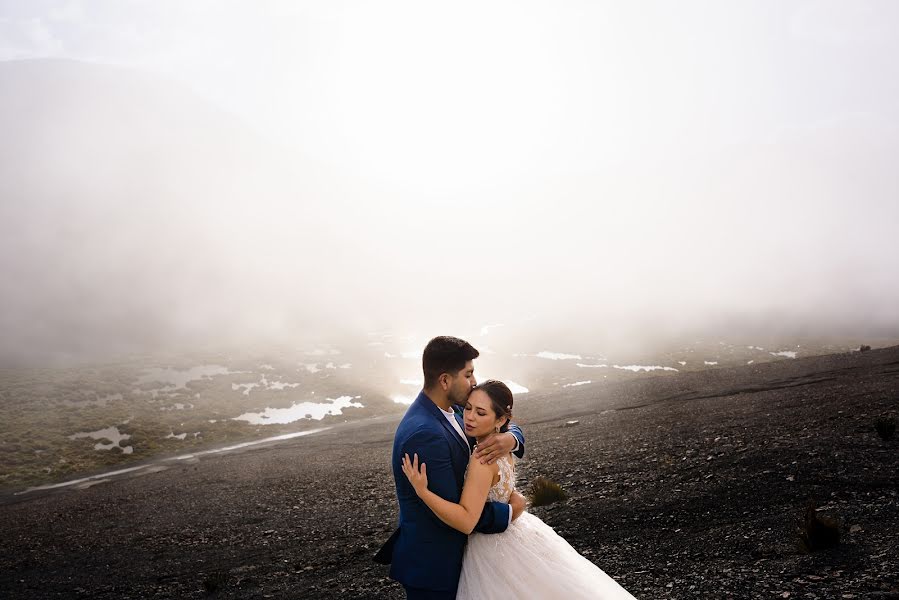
{"points": [[495, 518], [516, 431]]}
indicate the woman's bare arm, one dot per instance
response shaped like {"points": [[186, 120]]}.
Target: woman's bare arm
{"points": [[463, 516]]}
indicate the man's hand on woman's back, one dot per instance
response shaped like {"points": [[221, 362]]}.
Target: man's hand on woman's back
{"points": [[518, 504]]}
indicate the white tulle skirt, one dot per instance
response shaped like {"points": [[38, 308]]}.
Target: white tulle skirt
{"points": [[530, 560]]}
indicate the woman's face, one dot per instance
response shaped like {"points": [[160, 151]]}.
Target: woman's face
{"points": [[479, 417]]}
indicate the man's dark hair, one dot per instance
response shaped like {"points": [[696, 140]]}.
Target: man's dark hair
{"points": [[445, 354]]}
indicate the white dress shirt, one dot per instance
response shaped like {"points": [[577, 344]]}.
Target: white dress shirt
{"points": [[451, 417]]}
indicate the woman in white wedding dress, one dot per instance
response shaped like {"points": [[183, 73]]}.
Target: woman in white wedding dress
{"points": [[529, 559]]}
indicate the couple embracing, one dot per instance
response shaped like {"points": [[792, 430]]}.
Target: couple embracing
{"points": [[464, 531]]}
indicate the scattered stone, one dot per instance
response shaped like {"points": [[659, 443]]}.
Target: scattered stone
{"points": [[886, 427], [712, 529]]}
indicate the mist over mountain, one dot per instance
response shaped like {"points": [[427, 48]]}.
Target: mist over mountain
{"points": [[136, 215]]}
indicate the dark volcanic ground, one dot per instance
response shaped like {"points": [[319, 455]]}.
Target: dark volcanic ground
{"points": [[681, 486]]}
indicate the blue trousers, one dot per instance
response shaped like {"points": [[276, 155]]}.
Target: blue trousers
{"points": [[420, 594]]}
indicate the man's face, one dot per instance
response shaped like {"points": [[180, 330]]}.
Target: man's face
{"points": [[461, 384]]}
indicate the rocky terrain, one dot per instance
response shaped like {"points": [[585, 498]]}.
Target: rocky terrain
{"points": [[689, 485]]}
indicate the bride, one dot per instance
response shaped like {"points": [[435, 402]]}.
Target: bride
{"points": [[529, 559]]}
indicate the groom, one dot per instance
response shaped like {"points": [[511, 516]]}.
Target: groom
{"points": [[425, 554]]}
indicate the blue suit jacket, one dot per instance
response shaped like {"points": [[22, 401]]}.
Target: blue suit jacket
{"points": [[425, 552]]}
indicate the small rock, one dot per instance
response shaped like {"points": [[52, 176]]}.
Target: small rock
{"points": [[571, 423]]}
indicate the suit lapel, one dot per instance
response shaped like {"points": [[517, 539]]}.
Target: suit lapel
{"points": [[438, 414]]}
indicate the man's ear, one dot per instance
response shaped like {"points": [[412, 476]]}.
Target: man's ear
{"points": [[444, 381]]}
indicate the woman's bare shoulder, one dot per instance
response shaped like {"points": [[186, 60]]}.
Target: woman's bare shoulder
{"points": [[476, 467]]}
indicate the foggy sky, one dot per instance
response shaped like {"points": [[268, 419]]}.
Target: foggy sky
{"points": [[180, 174]]}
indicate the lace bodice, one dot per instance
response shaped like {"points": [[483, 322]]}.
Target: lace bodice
{"points": [[502, 490]]}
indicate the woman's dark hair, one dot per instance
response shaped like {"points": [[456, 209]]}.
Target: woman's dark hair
{"points": [[501, 397], [445, 354]]}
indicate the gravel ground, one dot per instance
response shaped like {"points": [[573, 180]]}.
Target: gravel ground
{"points": [[687, 485]]}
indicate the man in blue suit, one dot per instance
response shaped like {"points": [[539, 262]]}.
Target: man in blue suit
{"points": [[426, 554]]}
